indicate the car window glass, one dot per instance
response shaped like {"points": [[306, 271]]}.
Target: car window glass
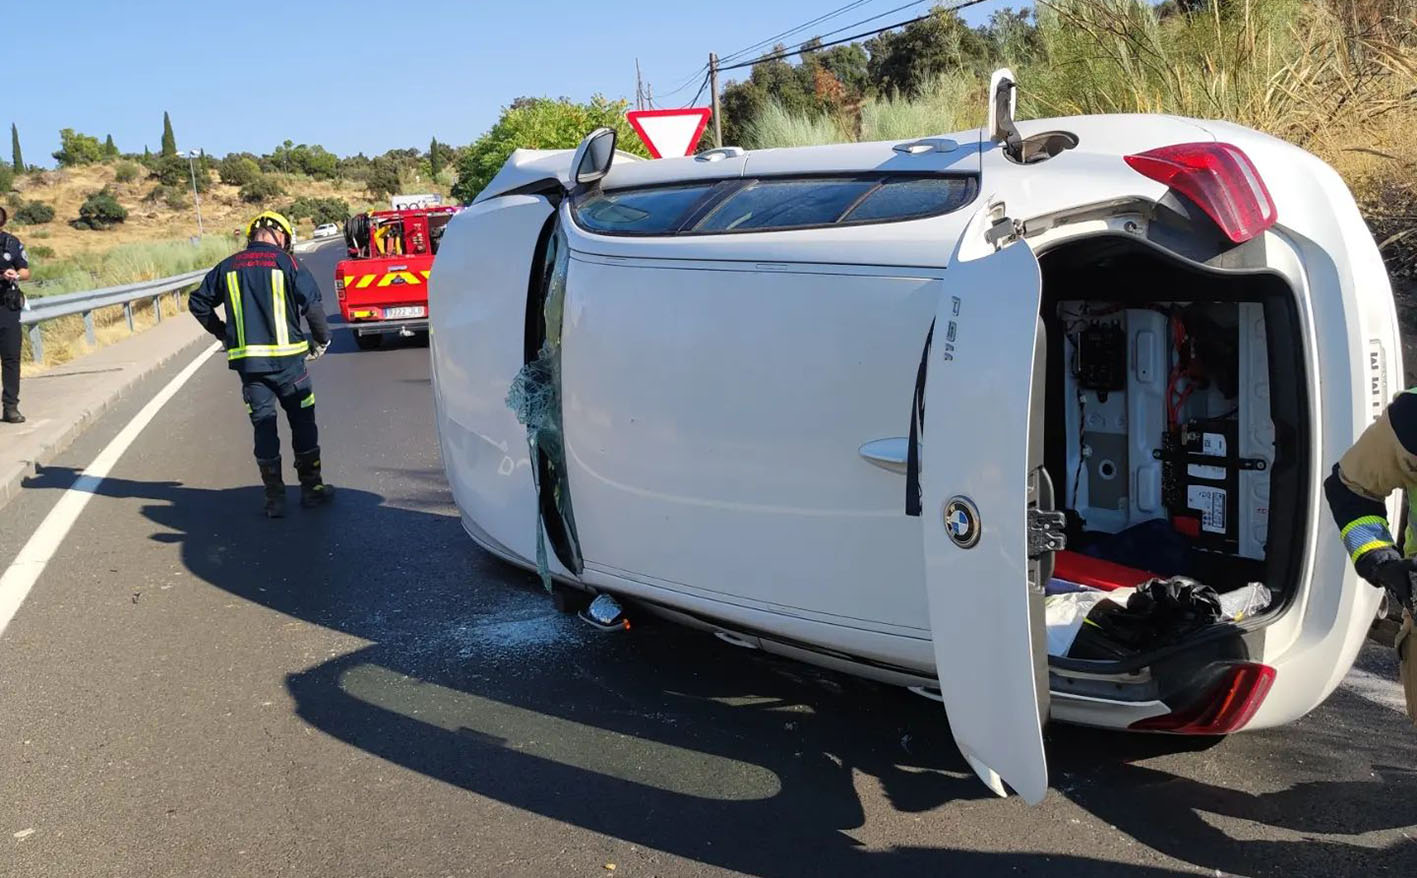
{"points": [[785, 204], [902, 199], [643, 211]]}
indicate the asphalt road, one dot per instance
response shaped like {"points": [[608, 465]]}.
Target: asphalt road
{"points": [[360, 691]]}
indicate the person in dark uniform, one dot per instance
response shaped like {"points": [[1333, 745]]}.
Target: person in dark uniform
{"points": [[265, 292], [14, 267]]}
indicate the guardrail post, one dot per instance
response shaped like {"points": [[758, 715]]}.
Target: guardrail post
{"points": [[128, 315], [157, 308], [37, 343], [88, 329]]}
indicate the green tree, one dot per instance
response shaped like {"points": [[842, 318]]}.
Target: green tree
{"points": [[7, 178], [435, 159], [905, 61], [238, 169], [77, 149], [539, 123], [18, 159], [110, 149], [383, 179], [169, 140], [261, 190]]}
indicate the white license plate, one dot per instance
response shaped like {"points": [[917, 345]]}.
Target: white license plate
{"points": [[405, 313]]}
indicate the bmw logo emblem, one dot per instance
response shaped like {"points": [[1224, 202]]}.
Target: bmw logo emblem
{"points": [[962, 522]]}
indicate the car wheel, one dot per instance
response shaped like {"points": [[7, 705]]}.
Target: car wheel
{"points": [[368, 342]]}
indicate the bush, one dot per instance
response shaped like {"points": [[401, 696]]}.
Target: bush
{"points": [[238, 170], [539, 123], [126, 172], [261, 190], [383, 179], [319, 210], [100, 211], [7, 177], [33, 213], [174, 197]]}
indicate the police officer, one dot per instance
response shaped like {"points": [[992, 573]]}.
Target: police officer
{"points": [[265, 292], [1383, 460], [14, 267]]}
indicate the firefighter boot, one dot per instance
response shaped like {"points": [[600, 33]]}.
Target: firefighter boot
{"points": [[313, 490], [275, 487]]}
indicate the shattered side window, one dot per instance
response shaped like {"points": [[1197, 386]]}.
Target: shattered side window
{"points": [[639, 211]]}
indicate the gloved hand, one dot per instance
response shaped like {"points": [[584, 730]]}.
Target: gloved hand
{"points": [[317, 350], [1387, 569]]}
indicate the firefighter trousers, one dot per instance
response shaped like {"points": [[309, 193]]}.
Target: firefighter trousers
{"points": [[290, 389]]}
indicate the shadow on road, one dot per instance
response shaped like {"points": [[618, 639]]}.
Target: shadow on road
{"points": [[668, 739]]}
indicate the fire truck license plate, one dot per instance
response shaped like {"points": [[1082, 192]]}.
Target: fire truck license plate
{"points": [[405, 313]]}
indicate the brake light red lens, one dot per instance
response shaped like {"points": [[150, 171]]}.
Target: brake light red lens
{"points": [[1226, 708], [1219, 178]]}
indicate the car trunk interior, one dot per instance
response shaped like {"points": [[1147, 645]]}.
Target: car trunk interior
{"points": [[1174, 406]]}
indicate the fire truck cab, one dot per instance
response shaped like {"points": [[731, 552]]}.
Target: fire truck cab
{"points": [[383, 284]]}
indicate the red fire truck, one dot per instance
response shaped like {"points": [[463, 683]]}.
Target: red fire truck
{"points": [[383, 285]]}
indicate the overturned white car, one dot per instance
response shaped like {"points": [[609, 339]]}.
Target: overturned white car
{"points": [[848, 404]]}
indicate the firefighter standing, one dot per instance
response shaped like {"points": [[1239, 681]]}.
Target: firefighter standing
{"points": [[1383, 460], [265, 292], [14, 267]]}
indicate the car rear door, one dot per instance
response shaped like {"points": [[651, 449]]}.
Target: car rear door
{"points": [[981, 484]]}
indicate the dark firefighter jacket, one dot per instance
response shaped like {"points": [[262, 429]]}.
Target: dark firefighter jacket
{"points": [[1383, 460], [265, 292]]}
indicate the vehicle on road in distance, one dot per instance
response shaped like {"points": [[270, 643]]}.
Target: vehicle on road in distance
{"points": [[326, 230], [883, 406], [383, 285]]}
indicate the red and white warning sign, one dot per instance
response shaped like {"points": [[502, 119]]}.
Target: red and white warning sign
{"points": [[670, 133]]}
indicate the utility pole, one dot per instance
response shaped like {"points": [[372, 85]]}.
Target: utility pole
{"points": [[713, 93], [639, 87], [649, 95], [191, 157]]}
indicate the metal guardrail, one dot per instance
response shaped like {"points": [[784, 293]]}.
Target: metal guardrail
{"points": [[85, 303]]}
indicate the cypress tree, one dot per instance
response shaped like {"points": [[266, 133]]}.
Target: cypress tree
{"points": [[169, 140], [435, 161], [19, 160], [110, 150]]}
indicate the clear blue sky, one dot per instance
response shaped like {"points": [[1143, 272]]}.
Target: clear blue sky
{"points": [[357, 76]]}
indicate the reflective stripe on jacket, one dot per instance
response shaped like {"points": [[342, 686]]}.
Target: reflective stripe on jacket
{"points": [[1383, 460], [265, 292]]}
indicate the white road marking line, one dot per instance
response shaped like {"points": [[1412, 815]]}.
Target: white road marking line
{"points": [[1379, 690], [36, 554]]}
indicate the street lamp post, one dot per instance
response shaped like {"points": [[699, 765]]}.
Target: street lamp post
{"points": [[192, 156]]}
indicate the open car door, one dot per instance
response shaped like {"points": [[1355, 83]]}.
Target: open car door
{"points": [[982, 491]]}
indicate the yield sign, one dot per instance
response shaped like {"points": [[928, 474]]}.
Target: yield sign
{"points": [[670, 132]]}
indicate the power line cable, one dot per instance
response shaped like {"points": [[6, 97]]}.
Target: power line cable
{"points": [[777, 56], [841, 10]]}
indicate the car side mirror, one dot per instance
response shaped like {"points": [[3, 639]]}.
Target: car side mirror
{"points": [[593, 157]]}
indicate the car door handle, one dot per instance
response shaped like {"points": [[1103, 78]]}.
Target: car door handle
{"points": [[888, 454]]}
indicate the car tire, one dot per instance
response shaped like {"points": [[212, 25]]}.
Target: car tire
{"points": [[368, 342]]}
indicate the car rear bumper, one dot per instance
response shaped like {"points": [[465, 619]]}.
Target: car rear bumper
{"points": [[389, 327]]}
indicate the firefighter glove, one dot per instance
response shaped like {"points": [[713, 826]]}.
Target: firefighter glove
{"points": [[1388, 570], [317, 350]]}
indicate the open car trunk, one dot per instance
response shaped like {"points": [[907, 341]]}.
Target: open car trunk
{"points": [[1174, 402]]}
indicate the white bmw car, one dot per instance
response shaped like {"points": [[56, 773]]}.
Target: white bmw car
{"points": [[857, 404]]}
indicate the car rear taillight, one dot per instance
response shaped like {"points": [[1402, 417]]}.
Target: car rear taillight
{"points": [[1219, 178], [339, 288], [1224, 709]]}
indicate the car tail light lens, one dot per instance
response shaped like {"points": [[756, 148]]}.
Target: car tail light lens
{"points": [[1219, 178], [1224, 709]]}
